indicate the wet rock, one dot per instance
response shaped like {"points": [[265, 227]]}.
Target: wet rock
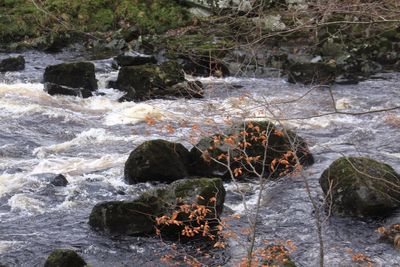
{"points": [[56, 89], [361, 187], [59, 180], [64, 258], [138, 216], [149, 80], [311, 72], [157, 160], [111, 84], [12, 64], [77, 78], [262, 137], [134, 59]]}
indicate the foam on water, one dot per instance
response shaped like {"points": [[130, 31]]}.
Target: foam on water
{"points": [[131, 113], [77, 165], [93, 136], [26, 204], [13, 182], [9, 245]]}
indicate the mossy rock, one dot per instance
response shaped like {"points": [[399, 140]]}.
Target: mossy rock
{"points": [[12, 64], [274, 146], [157, 160], [138, 217], [64, 258], [361, 187], [76, 78], [149, 80], [75, 74]]}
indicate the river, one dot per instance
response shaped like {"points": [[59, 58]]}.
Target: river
{"points": [[88, 140]]}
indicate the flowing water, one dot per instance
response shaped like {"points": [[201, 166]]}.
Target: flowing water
{"points": [[88, 140]]}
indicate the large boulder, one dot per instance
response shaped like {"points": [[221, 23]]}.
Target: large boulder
{"points": [[76, 78], [64, 258], [149, 80], [174, 202], [157, 160], [359, 186], [259, 144], [12, 64]]}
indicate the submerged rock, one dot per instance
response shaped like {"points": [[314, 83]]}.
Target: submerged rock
{"points": [[157, 160], [59, 180], [77, 78], [266, 148], [12, 64], [64, 258], [361, 187], [139, 216], [149, 80]]}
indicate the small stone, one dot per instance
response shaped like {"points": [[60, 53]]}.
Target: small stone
{"points": [[59, 180]]}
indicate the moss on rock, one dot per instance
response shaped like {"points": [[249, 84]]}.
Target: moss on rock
{"points": [[156, 160], [64, 258], [149, 80], [138, 216], [12, 64], [76, 78], [264, 141], [361, 187]]}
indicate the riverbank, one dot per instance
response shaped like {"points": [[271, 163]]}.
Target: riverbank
{"points": [[309, 43]]}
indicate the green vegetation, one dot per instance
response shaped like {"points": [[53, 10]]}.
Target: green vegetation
{"points": [[21, 19]]}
